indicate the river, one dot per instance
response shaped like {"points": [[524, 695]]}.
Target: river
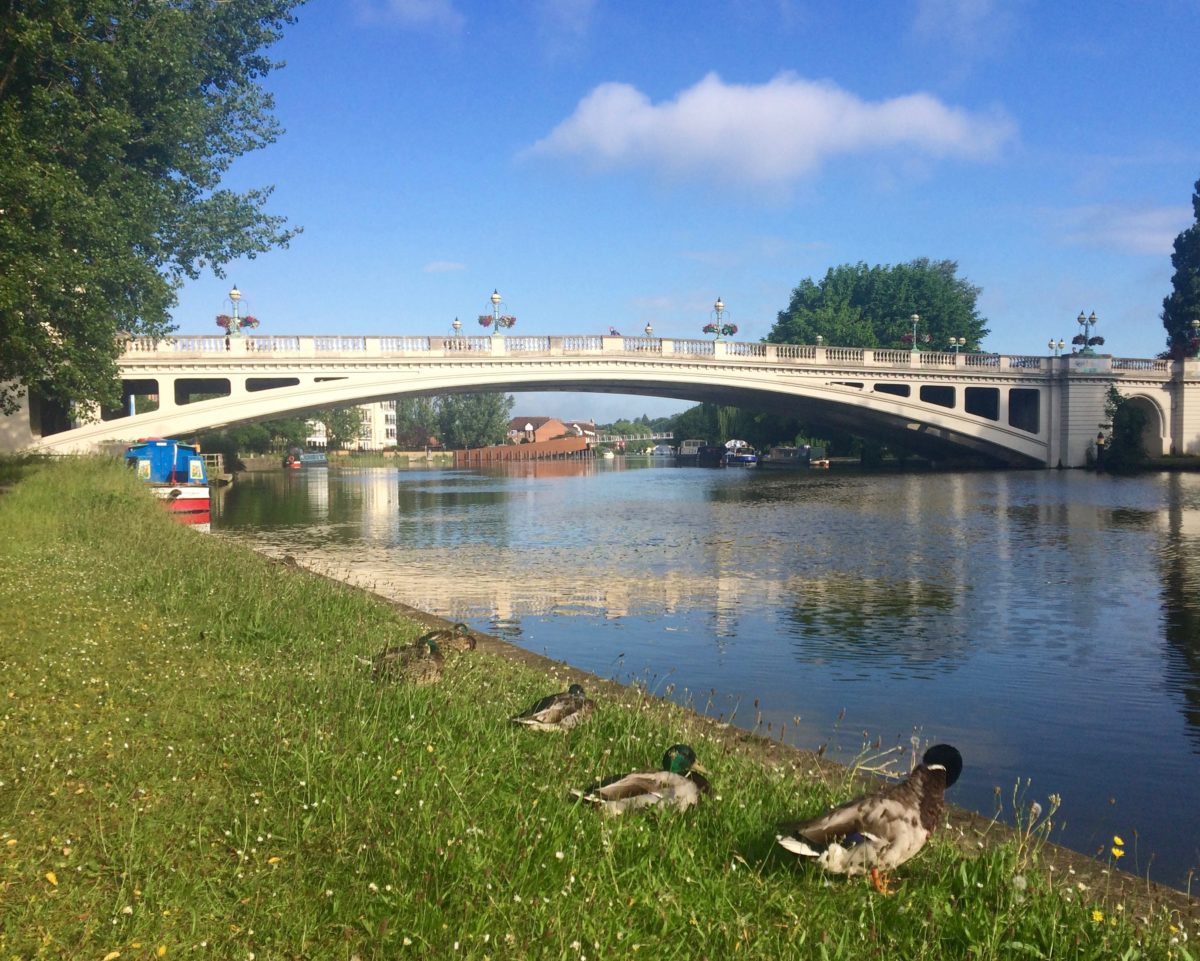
{"points": [[1045, 622]]}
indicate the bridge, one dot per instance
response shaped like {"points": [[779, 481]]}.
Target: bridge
{"points": [[1030, 411]]}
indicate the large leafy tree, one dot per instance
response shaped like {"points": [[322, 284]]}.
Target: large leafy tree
{"points": [[118, 119], [859, 306], [343, 425], [416, 422], [1182, 306], [473, 420]]}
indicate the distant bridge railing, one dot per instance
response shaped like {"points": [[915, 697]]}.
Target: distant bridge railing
{"points": [[587, 344]]}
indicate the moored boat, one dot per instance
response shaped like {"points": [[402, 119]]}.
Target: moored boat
{"points": [[297, 458], [175, 473], [740, 454], [787, 457], [689, 451]]}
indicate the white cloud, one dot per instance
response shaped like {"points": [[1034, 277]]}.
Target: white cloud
{"points": [[437, 14], [769, 134], [443, 266], [1128, 230]]}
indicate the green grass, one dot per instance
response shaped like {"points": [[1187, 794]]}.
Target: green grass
{"points": [[192, 763]]}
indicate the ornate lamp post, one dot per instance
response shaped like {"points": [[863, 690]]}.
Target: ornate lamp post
{"points": [[649, 330], [456, 325], [233, 323], [820, 341], [1085, 340], [496, 320], [1196, 336], [1056, 345], [957, 343], [914, 320], [235, 296], [720, 327]]}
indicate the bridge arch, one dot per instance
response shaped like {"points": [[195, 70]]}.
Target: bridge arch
{"points": [[1017, 410]]}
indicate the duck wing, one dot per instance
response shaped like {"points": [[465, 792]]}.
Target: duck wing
{"points": [[556, 712], [643, 789]]}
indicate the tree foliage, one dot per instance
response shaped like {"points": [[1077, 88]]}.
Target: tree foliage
{"points": [[473, 420], [343, 425], [859, 306], [1125, 451], [118, 119], [1182, 306], [416, 422]]}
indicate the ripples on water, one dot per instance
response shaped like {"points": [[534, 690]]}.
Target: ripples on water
{"points": [[1045, 622]]}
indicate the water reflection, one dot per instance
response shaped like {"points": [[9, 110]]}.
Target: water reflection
{"points": [[1047, 622]]}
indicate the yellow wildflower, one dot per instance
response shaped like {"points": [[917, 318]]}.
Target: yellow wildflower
{"points": [[1117, 841], [1097, 916], [52, 878], [112, 956], [162, 951], [1118, 853]]}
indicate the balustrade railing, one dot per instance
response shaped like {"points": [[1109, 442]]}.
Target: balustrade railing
{"points": [[484, 346]]}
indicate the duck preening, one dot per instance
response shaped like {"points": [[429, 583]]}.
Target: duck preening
{"points": [[880, 831], [558, 712], [679, 785]]}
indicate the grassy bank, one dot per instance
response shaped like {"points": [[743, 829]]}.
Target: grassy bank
{"points": [[192, 763]]}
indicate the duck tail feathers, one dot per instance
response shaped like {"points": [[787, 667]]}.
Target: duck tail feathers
{"points": [[797, 846]]}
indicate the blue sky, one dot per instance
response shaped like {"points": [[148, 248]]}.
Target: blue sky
{"points": [[617, 163]]}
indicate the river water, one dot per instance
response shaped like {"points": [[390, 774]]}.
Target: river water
{"points": [[1045, 622]]}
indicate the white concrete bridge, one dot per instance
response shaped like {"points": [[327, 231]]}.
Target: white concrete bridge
{"points": [[1016, 410]]}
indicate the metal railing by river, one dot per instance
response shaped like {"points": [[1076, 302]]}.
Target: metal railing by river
{"points": [[1047, 623]]}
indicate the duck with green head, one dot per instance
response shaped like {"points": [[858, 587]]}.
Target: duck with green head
{"points": [[678, 785], [880, 831]]}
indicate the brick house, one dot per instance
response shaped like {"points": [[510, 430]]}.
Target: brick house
{"points": [[523, 430]]}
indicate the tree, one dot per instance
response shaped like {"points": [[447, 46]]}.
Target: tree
{"points": [[1182, 306], [473, 420], [859, 306], [118, 119], [416, 422], [1124, 451], [342, 425]]}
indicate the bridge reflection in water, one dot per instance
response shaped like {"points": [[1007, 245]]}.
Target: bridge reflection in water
{"points": [[1043, 621]]}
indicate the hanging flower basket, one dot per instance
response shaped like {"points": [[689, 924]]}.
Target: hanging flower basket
{"points": [[502, 321], [721, 330], [225, 322]]}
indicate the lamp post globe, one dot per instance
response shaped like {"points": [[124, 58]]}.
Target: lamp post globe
{"points": [[649, 329], [235, 324], [1087, 323], [914, 320]]}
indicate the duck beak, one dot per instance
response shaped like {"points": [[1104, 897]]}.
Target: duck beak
{"points": [[697, 766]]}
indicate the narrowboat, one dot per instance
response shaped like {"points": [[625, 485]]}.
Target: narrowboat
{"points": [[297, 458], [792, 458], [175, 473]]}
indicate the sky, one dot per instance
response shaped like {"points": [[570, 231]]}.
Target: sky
{"points": [[612, 163]]}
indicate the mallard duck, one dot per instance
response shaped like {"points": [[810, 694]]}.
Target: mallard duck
{"points": [[420, 662], [455, 638], [558, 712], [679, 785], [880, 831]]}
